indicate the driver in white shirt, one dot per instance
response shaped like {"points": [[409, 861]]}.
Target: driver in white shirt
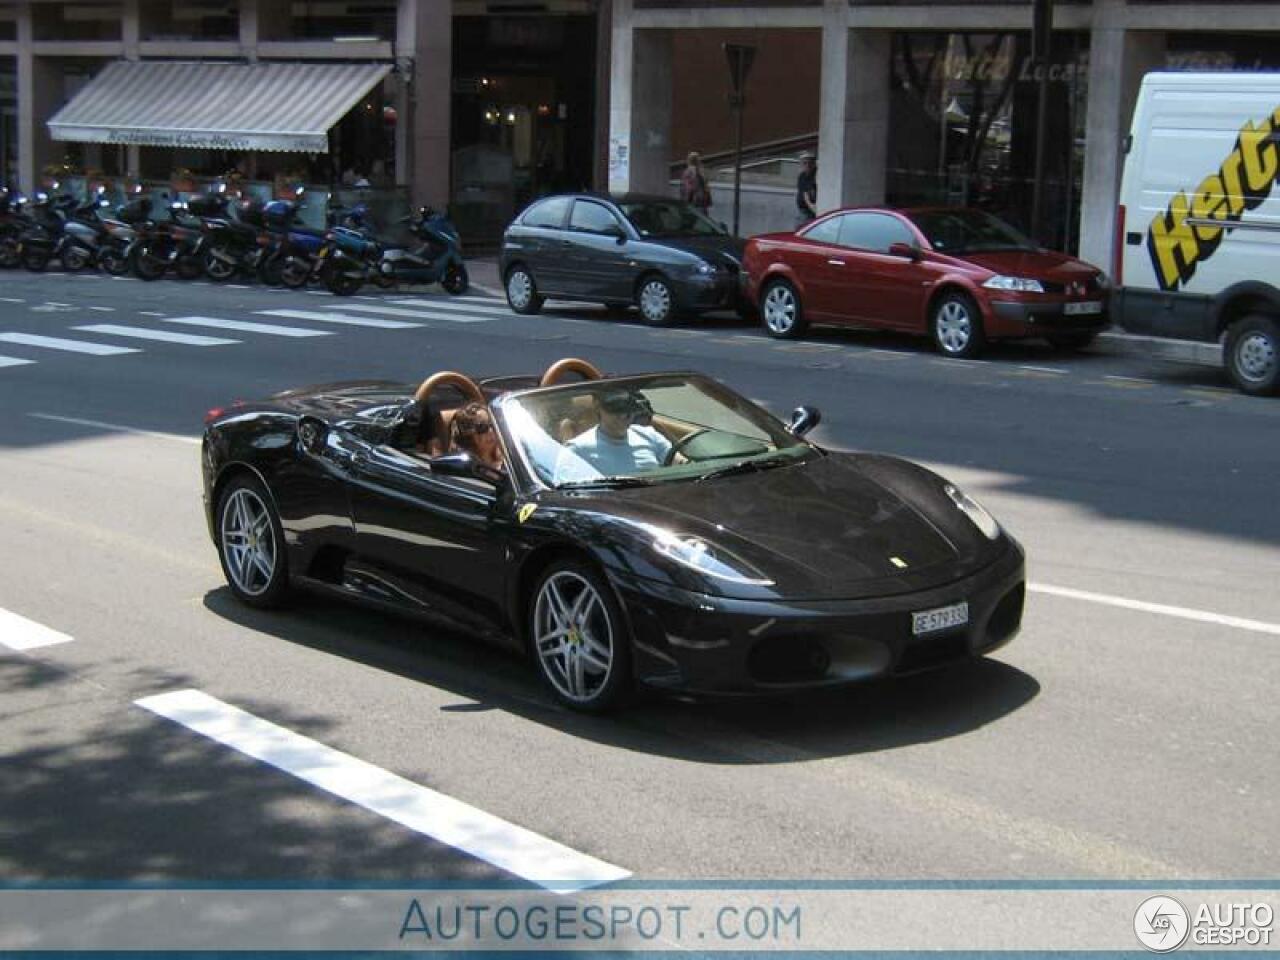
{"points": [[622, 444]]}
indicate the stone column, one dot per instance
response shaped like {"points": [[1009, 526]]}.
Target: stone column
{"points": [[39, 93], [424, 44], [853, 114], [651, 112], [622, 36], [604, 60], [1118, 59], [131, 28]]}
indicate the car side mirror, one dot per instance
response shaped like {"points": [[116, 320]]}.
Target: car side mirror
{"points": [[312, 434], [804, 419], [908, 250]]}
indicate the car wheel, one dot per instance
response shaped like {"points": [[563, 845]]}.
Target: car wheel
{"points": [[657, 302], [522, 292], [957, 326], [1070, 341], [251, 544], [1253, 355], [578, 638], [781, 311]]}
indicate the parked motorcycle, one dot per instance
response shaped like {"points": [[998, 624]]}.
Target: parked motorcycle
{"points": [[354, 258], [46, 237], [293, 257], [236, 242], [173, 243], [14, 222]]}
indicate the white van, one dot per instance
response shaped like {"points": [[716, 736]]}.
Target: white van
{"points": [[1198, 254]]}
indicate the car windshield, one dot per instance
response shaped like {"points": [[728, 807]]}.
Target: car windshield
{"points": [[968, 231], [667, 218], [638, 431]]}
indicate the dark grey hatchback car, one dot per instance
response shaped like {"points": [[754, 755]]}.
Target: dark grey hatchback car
{"points": [[654, 252]]}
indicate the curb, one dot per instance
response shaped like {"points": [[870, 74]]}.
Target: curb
{"points": [[1159, 348]]}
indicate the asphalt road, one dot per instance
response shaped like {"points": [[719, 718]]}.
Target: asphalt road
{"points": [[1129, 732]]}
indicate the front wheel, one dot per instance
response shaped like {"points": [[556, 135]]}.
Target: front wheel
{"points": [[657, 302], [146, 266], [578, 638], [456, 282], [271, 271], [1253, 355], [781, 311], [75, 259], [341, 283], [113, 262], [251, 544], [295, 273], [956, 327], [219, 265], [522, 292]]}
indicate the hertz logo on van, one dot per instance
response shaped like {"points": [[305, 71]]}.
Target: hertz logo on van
{"points": [[1242, 183]]}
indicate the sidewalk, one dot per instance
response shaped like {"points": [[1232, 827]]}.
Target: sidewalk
{"points": [[485, 280]]}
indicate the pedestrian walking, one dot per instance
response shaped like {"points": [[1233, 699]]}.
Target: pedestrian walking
{"points": [[693, 184], [807, 190]]}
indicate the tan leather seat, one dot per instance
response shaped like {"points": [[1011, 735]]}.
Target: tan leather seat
{"points": [[580, 418]]}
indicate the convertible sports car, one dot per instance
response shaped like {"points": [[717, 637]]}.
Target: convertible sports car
{"points": [[657, 529]]}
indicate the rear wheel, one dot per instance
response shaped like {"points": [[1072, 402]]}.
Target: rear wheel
{"points": [[251, 544], [219, 265], [657, 302], [956, 326], [295, 273], [522, 292], [147, 266], [1253, 355], [113, 262], [75, 259], [1070, 341], [340, 283], [578, 638], [456, 282], [781, 311], [270, 271]]}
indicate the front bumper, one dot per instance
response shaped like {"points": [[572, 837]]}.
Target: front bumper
{"points": [[1024, 318], [703, 644]]}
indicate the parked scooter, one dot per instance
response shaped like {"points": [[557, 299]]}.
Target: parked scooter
{"points": [[235, 244], [437, 259], [294, 255], [14, 222], [105, 239], [172, 243]]}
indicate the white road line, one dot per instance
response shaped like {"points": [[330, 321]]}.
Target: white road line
{"points": [[19, 633], [319, 293], [104, 309], [519, 851], [1112, 376], [244, 326], [1186, 613], [149, 313], [165, 336], [1027, 366], [340, 318], [13, 362], [452, 305], [55, 303], [418, 314], [72, 346], [116, 428], [11, 300], [237, 286]]}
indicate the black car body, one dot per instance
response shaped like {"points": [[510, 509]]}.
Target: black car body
{"points": [[654, 252], [786, 569]]}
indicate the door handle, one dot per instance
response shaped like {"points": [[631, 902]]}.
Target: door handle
{"points": [[836, 263]]}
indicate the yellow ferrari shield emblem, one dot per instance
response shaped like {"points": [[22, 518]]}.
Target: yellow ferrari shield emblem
{"points": [[526, 511]]}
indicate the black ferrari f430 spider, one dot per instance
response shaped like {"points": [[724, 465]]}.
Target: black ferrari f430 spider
{"points": [[656, 529]]}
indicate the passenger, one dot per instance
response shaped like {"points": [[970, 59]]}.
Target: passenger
{"points": [[473, 432], [623, 443]]}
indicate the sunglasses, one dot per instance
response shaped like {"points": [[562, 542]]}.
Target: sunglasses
{"points": [[480, 428]]}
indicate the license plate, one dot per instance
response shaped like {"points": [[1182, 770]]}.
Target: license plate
{"points": [[1082, 309], [942, 618]]}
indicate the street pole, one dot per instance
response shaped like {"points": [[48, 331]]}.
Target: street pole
{"points": [[740, 56], [737, 165], [1041, 44]]}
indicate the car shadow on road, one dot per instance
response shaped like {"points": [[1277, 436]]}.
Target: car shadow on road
{"points": [[867, 718]]}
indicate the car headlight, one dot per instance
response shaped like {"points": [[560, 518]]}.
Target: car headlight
{"points": [[975, 511], [1103, 281], [697, 554], [705, 269], [1020, 284]]}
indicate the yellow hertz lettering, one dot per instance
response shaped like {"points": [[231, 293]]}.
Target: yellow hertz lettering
{"points": [[1242, 183]]}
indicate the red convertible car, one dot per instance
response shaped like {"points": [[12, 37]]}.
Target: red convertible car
{"points": [[960, 276]]}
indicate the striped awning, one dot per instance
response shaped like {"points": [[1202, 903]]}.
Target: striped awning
{"points": [[220, 106]]}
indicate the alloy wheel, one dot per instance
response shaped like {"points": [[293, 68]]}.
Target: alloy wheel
{"points": [[655, 301], [1255, 357], [248, 542], [573, 636], [780, 309], [954, 327]]}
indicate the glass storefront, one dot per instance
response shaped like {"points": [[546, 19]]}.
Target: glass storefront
{"points": [[963, 115]]}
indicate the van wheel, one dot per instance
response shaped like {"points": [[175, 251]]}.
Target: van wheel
{"points": [[956, 326], [1253, 355]]}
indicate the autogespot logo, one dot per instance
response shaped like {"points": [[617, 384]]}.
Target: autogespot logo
{"points": [[1161, 924]]}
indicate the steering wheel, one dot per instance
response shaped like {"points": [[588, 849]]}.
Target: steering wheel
{"points": [[569, 365], [448, 378], [679, 445]]}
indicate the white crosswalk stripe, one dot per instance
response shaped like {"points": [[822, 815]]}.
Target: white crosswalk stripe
{"points": [[417, 314], [451, 306], [343, 318], [245, 326], [13, 362], [164, 336], [71, 346]]}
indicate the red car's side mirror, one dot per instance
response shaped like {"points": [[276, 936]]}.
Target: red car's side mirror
{"points": [[908, 250]]}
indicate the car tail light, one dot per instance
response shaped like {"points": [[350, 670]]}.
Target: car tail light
{"points": [[217, 412], [1117, 249]]}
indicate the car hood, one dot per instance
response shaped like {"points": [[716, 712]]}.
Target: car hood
{"points": [[726, 251], [1040, 265], [839, 526]]}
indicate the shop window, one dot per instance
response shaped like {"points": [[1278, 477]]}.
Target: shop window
{"points": [[54, 22], [163, 20]]}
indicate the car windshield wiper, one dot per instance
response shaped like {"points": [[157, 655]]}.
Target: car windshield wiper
{"points": [[746, 466], [611, 483]]}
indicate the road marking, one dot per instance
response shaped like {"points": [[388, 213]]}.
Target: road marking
{"points": [[12, 300], [519, 851], [1027, 366], [13, 362], [72, 346], [55, 303], [1118, 380], [165, 336], [1185, 613], [19, 633], [418, 314], [244, 326], [318, 293], [451, 305], [116, 428], [104, 309], [893, 354], [149, 313], [237, 286], [340, 318]]}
